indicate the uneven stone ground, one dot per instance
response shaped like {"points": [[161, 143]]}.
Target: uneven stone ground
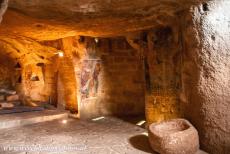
{"points": [[105, 136], [108, 136]]}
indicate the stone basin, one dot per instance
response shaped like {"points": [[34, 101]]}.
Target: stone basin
{"points": [[176, 136]]}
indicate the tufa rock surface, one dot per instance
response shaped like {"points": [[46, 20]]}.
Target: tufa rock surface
{"points": [[175, 136]]}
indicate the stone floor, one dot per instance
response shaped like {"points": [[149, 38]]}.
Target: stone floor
{"points": [[106, 135], [26, 118]]}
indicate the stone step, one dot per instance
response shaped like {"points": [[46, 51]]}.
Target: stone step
{"points": [[14, 97], [20, 109], [27, 118], [6, 105], [16, 103], [8, 92]]}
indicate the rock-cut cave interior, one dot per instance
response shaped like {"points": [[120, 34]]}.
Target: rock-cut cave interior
{"points": [[115, 76]]}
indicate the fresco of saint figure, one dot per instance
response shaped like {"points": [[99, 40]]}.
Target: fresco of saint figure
{"points": [[89, 78]]}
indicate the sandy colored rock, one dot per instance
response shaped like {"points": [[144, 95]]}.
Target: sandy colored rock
{"points": [[206, 70], [3, 7], [16, 103], [54, 19], [2, 97], [12, 98], [8, 92], [175, 136], [180, 66], [6, 105]]}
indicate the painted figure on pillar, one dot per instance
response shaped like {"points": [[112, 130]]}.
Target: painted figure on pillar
{"points": [[89, 78]]}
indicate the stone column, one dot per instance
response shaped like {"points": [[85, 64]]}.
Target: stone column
{"points": [[67, 79], [163, 64]]}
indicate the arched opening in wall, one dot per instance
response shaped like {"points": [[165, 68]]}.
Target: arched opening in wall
{"points": [[9, 75], [29, 80], [60, 75]]}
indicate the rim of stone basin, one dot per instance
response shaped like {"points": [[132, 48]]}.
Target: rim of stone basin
{"points": [[170, 127]]}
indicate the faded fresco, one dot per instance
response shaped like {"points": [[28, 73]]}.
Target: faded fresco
{"points": [[89, 78]]}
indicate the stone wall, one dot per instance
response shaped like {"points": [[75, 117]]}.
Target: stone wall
{"points": [[39, 80], [96, 77], [6, 72], [37, 84], [67, 91], [50, 86], [163, 73], [33, 82], [206, 73], [120, 81]]}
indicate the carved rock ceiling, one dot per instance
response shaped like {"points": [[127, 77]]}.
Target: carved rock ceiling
{"points": [[27, 22]]}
